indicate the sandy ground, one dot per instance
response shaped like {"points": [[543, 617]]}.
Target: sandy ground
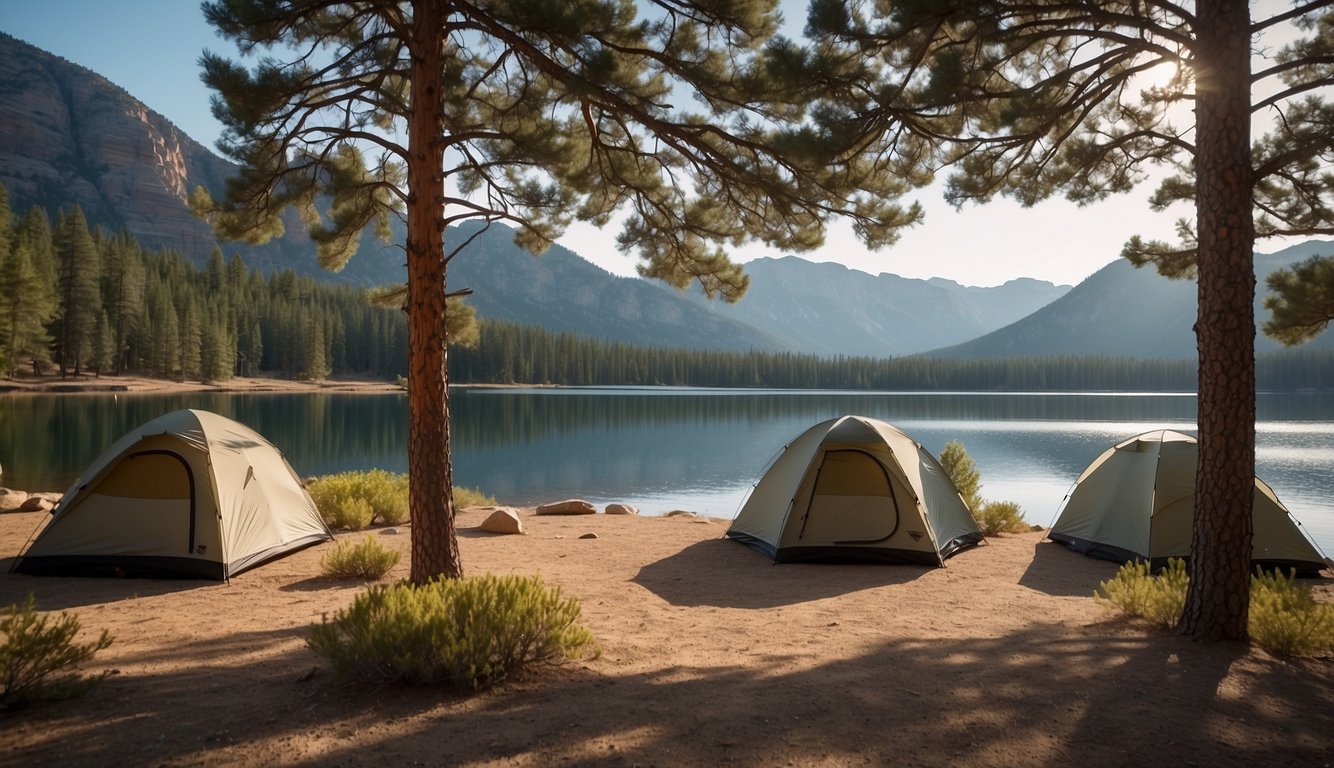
{"points": [[711, 655]]}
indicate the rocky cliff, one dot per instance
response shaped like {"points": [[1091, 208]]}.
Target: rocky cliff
{"points": [[69, 136]]}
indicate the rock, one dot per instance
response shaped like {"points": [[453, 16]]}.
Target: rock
{"points": [[389, 532], [503, 520], [10, 501], [621, 509], [567, 507], [36, 504], [589, 535], [680, 513]]}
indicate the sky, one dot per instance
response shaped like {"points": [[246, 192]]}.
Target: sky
{"points": [[151, 48]]}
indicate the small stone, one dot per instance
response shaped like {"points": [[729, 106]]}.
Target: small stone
{"points": [[589, 535], [36, 504], [567, 507], [681, 513], [389, 532], [621, 509]]}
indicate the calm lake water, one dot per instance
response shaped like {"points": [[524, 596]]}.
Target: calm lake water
{"points": [[694, 449]]}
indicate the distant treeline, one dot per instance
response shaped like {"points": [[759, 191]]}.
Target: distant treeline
{"points": [[77, 301], [511, 353], [80, 302]]}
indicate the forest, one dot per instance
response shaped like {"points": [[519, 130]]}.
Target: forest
{"points": [[76, 301]]}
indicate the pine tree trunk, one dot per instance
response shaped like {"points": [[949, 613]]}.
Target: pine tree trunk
{"points": [[431, 505], [1217, 600]]}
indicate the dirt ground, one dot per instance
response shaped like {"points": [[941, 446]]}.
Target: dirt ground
{"points": [[711, 655]]}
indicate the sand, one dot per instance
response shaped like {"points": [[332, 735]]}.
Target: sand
{"points": [[711, 655]]}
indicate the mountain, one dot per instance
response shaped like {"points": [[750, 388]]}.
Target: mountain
{"points": [[831, 309], [561, 291], [1124, 311], [69, 136]]}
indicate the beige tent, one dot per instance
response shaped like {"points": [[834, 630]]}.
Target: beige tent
{"points": [[1137, 501], [855, 489], [190, 494]]}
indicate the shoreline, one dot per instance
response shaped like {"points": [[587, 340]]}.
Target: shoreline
{"points": [[118, 385]]}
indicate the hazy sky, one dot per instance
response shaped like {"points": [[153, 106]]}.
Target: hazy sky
{"points": [[151, 47]]}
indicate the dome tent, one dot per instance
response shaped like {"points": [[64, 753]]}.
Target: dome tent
{"points": [[189, 494], [1136, 501], [855, 489]]}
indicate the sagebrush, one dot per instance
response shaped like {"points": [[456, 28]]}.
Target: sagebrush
{"points": [[469, 632], [351, 501], [1283, 616], [367, 559], [39, 658]]}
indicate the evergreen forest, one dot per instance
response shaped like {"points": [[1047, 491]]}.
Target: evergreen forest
{"points": [[76, 301]]}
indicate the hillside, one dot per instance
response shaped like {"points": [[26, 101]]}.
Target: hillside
{"points": [[829, 308], [1124, 311]]}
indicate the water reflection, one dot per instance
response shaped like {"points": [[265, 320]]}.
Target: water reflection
{"points": [[666, 449]]}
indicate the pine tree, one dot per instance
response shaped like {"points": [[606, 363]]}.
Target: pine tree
{"points": [[1028, 100], [536, 113], [79, 300]]}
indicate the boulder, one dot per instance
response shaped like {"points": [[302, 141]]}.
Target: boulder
{"points": [[36, 504], [621, 509], [10, 501], [567, 507], [681, 513], [503, 520], [589, 535]]}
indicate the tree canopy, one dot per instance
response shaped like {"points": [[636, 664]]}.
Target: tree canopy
{"points": [[682, 118], [1086, 98]]}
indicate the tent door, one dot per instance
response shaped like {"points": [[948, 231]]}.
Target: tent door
{"points": [[852, 501], [158, 475]]}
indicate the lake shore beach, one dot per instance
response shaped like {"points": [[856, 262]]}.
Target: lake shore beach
{"points": [[711, 655]]}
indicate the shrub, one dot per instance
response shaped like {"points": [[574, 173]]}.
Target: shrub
{"points": [[38, 658], [963, 473], [1000, 517], [1286, 620], [354, 500], [1135, 591], [467, 497], [992, 517], [366, 560], [464, 632]]}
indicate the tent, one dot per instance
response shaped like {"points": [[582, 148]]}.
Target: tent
{"points": [[189, 494], [1136, 501], [855, 489]]}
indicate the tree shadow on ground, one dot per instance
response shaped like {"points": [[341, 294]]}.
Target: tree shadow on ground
{"points": [[56, 593], [726, 574], [1054, 565]]}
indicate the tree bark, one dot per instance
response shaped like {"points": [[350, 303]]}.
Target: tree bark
{"points": [[435, 549], [1218, 596]]}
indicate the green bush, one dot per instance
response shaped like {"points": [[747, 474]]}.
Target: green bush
{"points": [[464, 632], [1286, 620], [997, 517], [1135, 591], [963, 473], [38, 658], [366, 560], [467, 497], [992, 517], [355, 500]]}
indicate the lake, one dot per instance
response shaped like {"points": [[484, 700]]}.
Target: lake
{"points": [[695, 449]]}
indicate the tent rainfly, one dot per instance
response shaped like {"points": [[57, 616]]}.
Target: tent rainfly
{"points": [[855, 489], [1136, 501], [190, 494]]}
